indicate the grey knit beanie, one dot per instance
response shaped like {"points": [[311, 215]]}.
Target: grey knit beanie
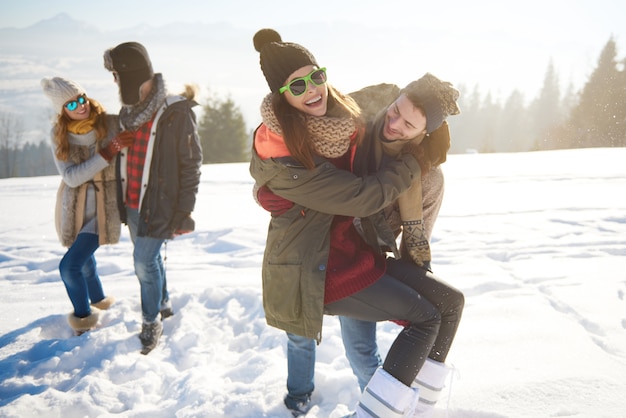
{"points": [[60, 91], [280, 59], [437, 98]]}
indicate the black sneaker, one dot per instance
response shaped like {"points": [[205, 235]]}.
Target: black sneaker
{"points": [[298, 407], [166, 313], [149, 335]]}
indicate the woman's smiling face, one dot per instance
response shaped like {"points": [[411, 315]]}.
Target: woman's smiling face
{"points": [[81, 111], [314, 100]]}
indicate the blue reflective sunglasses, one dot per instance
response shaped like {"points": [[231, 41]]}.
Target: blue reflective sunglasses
{"points": [[73, 104]]}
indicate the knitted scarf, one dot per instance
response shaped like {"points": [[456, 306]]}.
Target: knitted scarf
{"points": [[132, 117], [330, 136], [82, 126]]}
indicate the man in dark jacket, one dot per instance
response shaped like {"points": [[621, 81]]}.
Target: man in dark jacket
{"points": [[159, 174]]}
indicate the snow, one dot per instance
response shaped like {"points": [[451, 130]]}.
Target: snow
{"points": [[537, 242]]}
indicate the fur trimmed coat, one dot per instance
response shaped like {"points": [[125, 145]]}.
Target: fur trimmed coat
{"points": [[87, 196]]}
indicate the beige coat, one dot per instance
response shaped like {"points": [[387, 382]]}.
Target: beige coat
{"points": [[90, 206]]}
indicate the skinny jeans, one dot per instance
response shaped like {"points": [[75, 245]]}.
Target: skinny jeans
{"points": [[79, 274], [400, 295]]}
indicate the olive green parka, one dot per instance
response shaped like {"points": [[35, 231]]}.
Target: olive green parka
{"points": [[298, 241]]}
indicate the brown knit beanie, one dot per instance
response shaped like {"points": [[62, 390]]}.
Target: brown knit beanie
{"points": [[60, 91], [280, 59], [437, 98]]}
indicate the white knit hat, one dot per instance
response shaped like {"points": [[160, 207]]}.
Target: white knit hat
{"points": [[60, 91]]}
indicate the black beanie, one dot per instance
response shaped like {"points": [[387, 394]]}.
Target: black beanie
{"points": [[132, 64], [280, 59], [437, 98]]}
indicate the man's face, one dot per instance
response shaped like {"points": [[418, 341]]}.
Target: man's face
{"points": [[144, 89], [403, 121]]}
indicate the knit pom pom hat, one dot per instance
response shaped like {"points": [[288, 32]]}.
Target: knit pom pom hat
{"points": [[437, 98], [280, 59], [60, 91]]}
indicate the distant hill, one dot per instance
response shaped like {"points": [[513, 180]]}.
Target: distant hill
{"points": [[216, 56]]}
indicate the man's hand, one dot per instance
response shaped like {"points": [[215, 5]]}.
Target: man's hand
{"points": [[183, 224], [415, 244]]}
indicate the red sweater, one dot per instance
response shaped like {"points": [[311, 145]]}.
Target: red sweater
{"points": [[352, 264]]}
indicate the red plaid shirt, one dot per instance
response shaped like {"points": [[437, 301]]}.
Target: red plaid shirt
{"points": [[135, 164]]}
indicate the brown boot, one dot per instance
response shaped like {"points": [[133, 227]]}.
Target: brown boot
{"points": [[82, 325], [105, 303]]}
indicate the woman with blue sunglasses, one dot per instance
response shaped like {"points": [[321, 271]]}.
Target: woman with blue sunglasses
{"points": [[315, 261], [86, 216]]}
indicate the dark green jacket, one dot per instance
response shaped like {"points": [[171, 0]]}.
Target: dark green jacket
{"points": [[296, 251]]}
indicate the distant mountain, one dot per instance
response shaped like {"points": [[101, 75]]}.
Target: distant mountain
{"points": [[47, 36], [62, 46], [219, 57]]}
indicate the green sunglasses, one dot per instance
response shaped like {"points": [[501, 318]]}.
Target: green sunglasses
{"points": [[298, 86], [73, 104]]}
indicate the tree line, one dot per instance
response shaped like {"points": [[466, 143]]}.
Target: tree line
{"points": [[595, 116], [592, 117]]}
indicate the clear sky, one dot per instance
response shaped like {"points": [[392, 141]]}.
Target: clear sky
{"points": [[474, 40], [564, 19]]}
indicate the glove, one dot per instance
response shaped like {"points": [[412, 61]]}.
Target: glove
{"points": [[122, 140], [272, 203], [415, 244], [183, 223]]}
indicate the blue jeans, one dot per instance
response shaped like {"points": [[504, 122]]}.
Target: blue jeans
{"points": [[79, 274], [148, 268], [359, 340], [300, 367]]}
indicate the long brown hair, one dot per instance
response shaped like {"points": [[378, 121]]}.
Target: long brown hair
{"points": [[293, 123], [62, 145]]}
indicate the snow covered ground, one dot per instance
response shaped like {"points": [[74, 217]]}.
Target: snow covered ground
{"points": [[537, 241]]}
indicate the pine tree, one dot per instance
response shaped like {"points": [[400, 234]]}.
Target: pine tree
{"points": [[598, 119], [546, 111], [513, 129], [11, 133], [223, 133]]}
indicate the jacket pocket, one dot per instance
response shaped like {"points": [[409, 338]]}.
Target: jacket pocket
{"points": [[281, 291]]}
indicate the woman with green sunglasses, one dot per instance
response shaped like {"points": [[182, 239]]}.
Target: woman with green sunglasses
{"points": [[315, 261]]}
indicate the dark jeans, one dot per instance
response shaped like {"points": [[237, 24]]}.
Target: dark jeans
{"points": [[79, 274], [400, 294]]}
